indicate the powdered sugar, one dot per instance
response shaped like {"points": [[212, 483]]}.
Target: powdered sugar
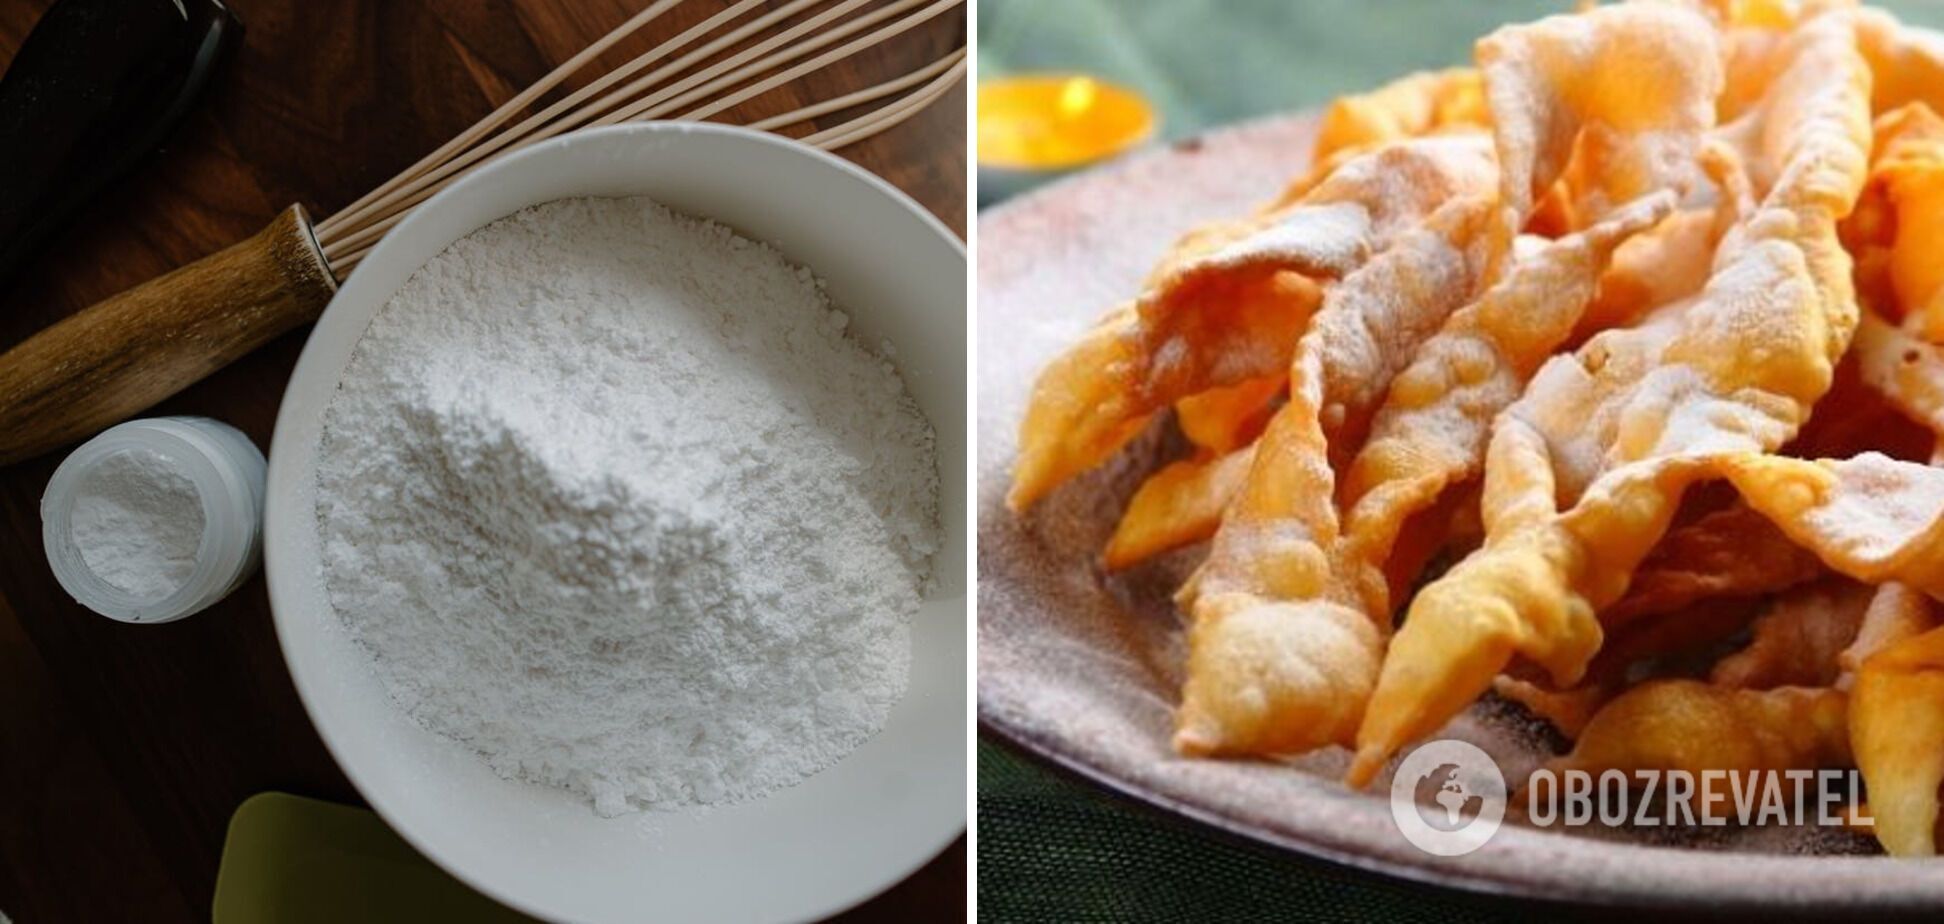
{"points": [[611, 498], [138, 522]]}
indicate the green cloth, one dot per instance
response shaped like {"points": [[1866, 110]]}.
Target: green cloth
{"points": [[1055, 850], [1210, 62]]}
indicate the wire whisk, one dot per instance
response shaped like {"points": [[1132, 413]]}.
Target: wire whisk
{"points": [[685, 88]]}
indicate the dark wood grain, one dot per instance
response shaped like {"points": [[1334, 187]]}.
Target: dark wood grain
{"points": [[124, 749]]}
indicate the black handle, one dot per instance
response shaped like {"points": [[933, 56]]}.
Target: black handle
{"points": [[95, 87]]}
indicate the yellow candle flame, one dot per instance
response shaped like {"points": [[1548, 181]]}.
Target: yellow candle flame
{"points": [[1077, 96]]}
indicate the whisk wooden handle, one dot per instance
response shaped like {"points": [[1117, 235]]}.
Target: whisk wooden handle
{"points": [[121, 356]]}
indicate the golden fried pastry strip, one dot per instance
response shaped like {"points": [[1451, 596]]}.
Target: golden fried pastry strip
{"points": [[1430, 429], [1232, 310], [1671, 261], [1631, 88], [1183, 502], [1099, 394], [1280, 653], [1225, 419], [1179, 505], [1898, 225], [1731, 552], [1870, 517], [1909, 169], [1695, 727], [1369, 327], [1755, 14], [1620, 429], [1798, 639], [1751, 38], [1430, 432], [1906, 63], [1654, 268], [1267, 677], [1897, 730], [1704, 623], [1412, 105], [1896, 612], [1888, 715]]}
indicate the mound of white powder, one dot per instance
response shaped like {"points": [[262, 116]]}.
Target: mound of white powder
{"points": [[611, 498], [138, 523]]}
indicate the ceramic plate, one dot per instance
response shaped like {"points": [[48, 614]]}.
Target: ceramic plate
{"points": [[1082, 670]]}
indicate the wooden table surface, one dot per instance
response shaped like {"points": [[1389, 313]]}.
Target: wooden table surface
{"points": [[124, 749]]}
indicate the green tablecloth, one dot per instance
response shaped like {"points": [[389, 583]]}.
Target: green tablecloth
{"points": [[1055, 850], [1209, 62]]}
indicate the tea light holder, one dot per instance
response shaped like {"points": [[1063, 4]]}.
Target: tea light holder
{"points": [[1037, 127]]}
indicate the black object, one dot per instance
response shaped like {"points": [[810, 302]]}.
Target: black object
{"points": [[94, 88]]}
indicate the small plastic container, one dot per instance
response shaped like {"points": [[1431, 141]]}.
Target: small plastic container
{"points": [[227, 471]]}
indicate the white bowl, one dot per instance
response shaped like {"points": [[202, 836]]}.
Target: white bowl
{"points": [[806, 851]]}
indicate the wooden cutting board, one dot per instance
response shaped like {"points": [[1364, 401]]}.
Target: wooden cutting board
{"points": [[125, 749]]}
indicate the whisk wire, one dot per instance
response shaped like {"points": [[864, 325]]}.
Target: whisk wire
{"points": [[431, 169], [347, 236], [520, 101], [821, 61], [937, 78], [859, 97]]}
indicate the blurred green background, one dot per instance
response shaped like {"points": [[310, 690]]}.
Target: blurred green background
{"points": [[1208, 62], [1055, 850]]}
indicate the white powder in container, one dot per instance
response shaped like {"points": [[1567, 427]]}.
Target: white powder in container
{"points": [[137, 523], [611, 498]]}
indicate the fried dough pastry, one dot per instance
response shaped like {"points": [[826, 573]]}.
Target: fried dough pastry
{"points": [[1751, 40], [1896, 612], [1413, 105], [1618, 430], [1233, 310], [1182, 503], [1896, 721], [1908, 372], [1662, 265], [1692, 726], [1730, 552], [1628, 90], [1280, 652], [1626, 650], [1431, 430], [1906, 64], [1798, 639], [1179, 505], [1870, 517], [1898, 230], [1502, 313], [1427, 435], [1671, 261], [1225, 419]]}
